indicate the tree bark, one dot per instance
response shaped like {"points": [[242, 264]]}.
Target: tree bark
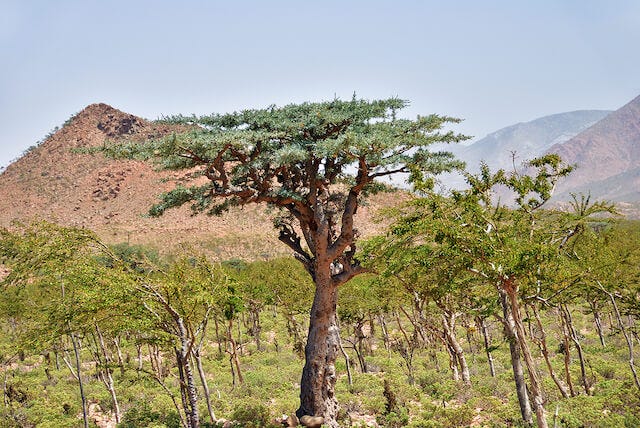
{"points": [[449, 324], [576, 342], [83, 398], [205, 385], [487, 345], [542, 344], [317, 386], [536, 386], [191, 389], [516, 361]]}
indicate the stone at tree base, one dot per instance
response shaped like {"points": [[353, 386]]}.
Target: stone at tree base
{"points": [[291, 421], [312, 421]]}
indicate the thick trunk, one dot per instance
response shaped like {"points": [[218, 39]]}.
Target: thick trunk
{"points": [[453, 361], [516, 362], [317, 387]]}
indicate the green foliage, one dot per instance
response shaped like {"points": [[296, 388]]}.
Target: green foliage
{"points": [[143, 416], [252, 415], [111, 286], [272, 149]]}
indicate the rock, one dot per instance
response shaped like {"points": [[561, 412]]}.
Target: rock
{"points": [[290, 421], [312, 421]]}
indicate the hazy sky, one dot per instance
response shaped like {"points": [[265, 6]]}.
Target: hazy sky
{"points": [[493, 63]]}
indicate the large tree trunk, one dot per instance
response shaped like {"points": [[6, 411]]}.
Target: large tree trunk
{"points": [[317, 387]]}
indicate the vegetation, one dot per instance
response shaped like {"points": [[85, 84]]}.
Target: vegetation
{"points": [[296, 159], [466, 313], [418, 350]]}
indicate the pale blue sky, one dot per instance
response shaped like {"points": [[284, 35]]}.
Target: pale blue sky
{"points": [[493, 63]]}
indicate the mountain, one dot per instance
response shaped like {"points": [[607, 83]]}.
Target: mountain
{"points": [[527, 140], [520, 142], [607, 157], [52, 182]]}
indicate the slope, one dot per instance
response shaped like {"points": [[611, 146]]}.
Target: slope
{"points": [[607, 156]]}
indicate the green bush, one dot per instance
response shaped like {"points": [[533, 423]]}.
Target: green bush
{"points": [[143, 416], [252, 415]]}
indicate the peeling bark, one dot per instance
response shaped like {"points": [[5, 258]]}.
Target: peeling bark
{"points": [[317, 386]]}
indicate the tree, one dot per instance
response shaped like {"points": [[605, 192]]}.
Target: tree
{"points": [[508, 248], [297, 158], [64, 289]]}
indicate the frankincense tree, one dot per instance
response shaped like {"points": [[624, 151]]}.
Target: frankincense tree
{"points": [[313, 161]]}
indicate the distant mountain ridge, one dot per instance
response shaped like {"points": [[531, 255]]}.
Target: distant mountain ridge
{"points": [[604, 147], [607, 157], [509, 147], [528, 139]]}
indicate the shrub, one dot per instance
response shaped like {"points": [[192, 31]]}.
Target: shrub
{"points": [[252, 415]]}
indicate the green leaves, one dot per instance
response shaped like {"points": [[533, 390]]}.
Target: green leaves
{"points": [[278, 153]]}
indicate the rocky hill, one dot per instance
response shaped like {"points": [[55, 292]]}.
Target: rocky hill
{"points": [[55, 183], [607, 156]]}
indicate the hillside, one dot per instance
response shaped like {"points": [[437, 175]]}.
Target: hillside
{"points": [[112, 197], [607, 156], [518, 143], [529, 139]]}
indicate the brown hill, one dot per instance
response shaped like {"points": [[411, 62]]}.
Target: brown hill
{"points": [[607, 156], [112, 197]]}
